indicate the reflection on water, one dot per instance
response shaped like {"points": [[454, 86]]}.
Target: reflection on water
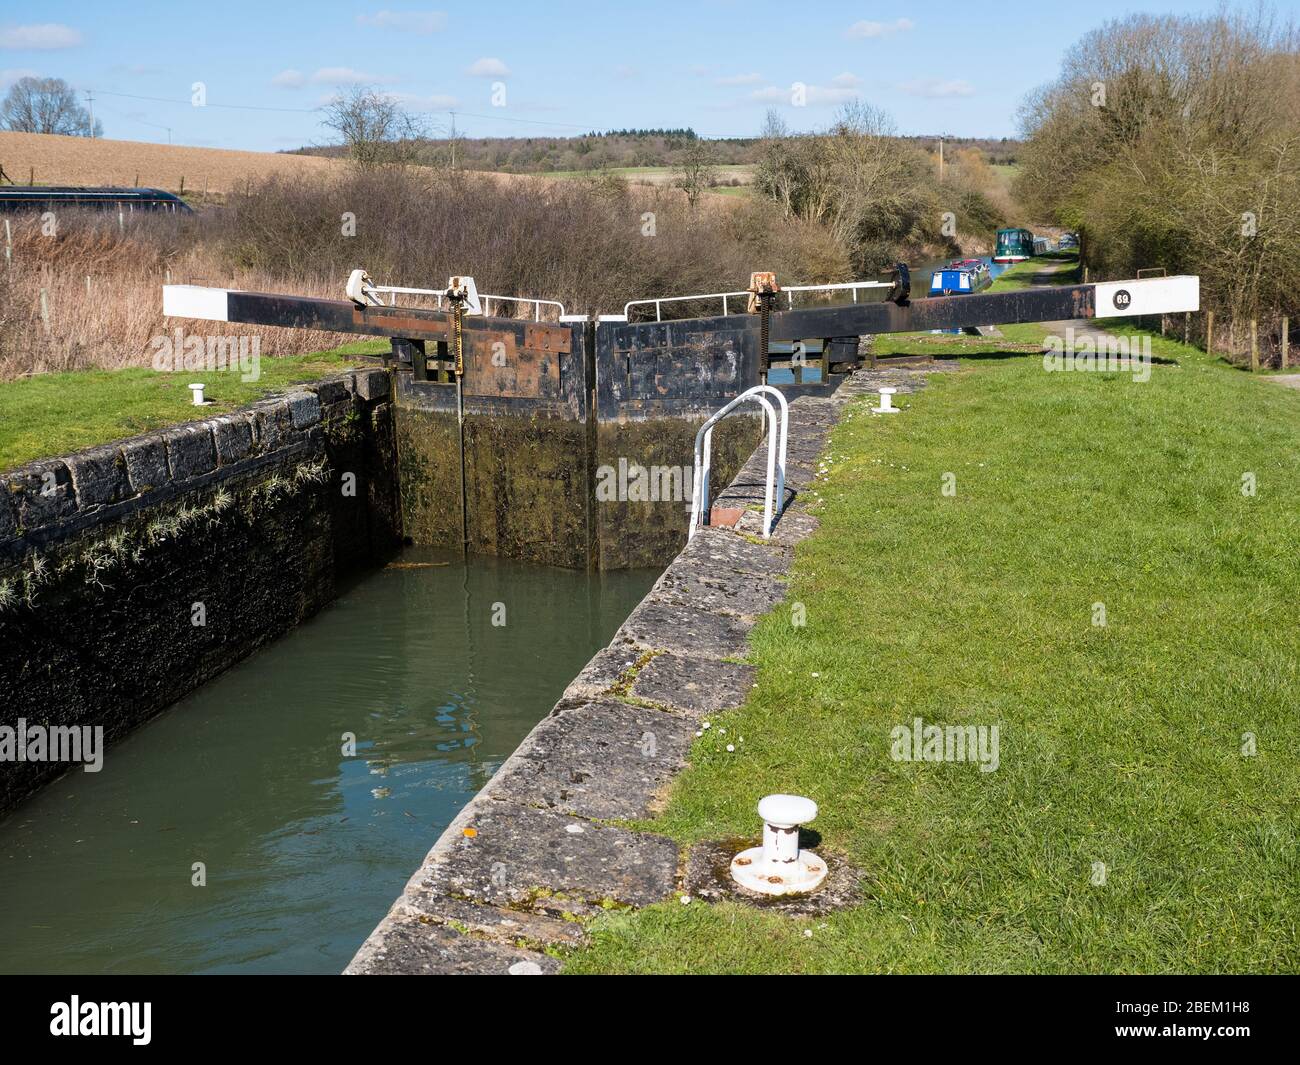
{"points": [[304, 848]]}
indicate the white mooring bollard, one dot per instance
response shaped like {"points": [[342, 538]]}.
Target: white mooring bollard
{"points": [[197, 391], [778, 867], [886, 402]]}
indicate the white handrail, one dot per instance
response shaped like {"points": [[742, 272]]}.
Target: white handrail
{"points": [[724, 296], [440, 294], [537, 304], [483, 298], [700, 484], [851, 286], [775, 470]]}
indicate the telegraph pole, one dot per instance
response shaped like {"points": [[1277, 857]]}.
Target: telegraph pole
{"points": [[90, 98], [453, 139]]}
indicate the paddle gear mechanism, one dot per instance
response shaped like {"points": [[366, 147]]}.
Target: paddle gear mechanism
{"points": [[459, 291], [763, 291], [361, 289]]}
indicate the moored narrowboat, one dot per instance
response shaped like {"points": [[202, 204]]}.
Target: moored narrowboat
{"points": [[53, 197], [960, 277], [1014, 246]]}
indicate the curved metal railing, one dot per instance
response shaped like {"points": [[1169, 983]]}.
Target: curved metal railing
{"points": [[772, 500]]}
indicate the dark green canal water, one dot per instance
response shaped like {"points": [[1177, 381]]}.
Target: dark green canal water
{"points": [[305, 848]]}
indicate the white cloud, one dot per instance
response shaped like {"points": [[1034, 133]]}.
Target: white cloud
{"points": [[348, 76], [419, 22], [935, 89], [814, 95], [289, 79], [44, 36], [866, 28], [738, 79], [488, 67], [846, 80]]}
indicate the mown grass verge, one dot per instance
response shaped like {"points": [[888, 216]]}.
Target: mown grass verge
{"points": [[53, 414], [1128, 826]]}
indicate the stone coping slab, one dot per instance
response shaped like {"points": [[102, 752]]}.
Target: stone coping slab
{"points": [[606, 760], [686, 629], [719, 550], [512, 927], [695, 686], [412, 945], [693, 586], [516, 851]]}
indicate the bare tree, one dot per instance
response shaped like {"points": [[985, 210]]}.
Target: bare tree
{"points": [[375, 128], [695, 172], [46, 105], [777, 174]]}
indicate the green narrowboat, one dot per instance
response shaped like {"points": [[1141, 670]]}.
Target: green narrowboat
{"points": [[1014, 246]]}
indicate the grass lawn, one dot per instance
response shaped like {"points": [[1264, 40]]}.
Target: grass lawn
{"points": [[1124, 830], [53, 414]]}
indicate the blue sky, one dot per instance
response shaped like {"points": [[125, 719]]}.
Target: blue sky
{"points": [[716, 65]]}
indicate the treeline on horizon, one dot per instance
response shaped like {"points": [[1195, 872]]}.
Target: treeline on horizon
{"points": [[629, 148]]}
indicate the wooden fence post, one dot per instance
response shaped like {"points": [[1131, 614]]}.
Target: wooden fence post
{"points": [[1209, 332], [1254, 346], [1286, 338]]}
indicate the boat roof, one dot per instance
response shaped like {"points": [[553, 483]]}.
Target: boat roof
{"points": [[37, 192]]}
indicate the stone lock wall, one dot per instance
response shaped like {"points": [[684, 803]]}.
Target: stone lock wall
{"points": [[132, 573]]}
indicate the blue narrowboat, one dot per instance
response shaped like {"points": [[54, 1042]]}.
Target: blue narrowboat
{"points": [[960, 277]]}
